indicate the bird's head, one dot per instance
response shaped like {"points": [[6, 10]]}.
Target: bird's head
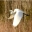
{"points": [[11, 11]]}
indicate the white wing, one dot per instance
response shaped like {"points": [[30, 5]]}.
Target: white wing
{"points": [[18, 16]]}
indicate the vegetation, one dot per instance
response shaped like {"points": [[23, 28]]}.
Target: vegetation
{"points": [[26, 23]]}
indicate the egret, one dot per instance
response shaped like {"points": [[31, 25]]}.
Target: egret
{"points": [[17, 16]]}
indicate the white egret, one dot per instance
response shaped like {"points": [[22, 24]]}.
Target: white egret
{"points": [[17, 16]]}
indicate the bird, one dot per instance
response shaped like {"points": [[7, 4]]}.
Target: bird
{"points": [[18, 15]]}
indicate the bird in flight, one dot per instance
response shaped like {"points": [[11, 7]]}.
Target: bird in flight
{"points": [[17, 15]]}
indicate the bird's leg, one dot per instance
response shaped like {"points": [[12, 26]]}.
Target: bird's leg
{"points": [[26, 14]]}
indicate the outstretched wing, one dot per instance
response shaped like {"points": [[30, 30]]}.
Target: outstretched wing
{"points": [[18, 16]]}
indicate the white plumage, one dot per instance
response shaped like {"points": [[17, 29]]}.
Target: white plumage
{"points": [[17, 17]]}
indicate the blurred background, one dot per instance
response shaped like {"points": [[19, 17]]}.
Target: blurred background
{"points": [[26, 22]]}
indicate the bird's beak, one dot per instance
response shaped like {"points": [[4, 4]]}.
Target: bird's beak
{"points": [[11, 17]]}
